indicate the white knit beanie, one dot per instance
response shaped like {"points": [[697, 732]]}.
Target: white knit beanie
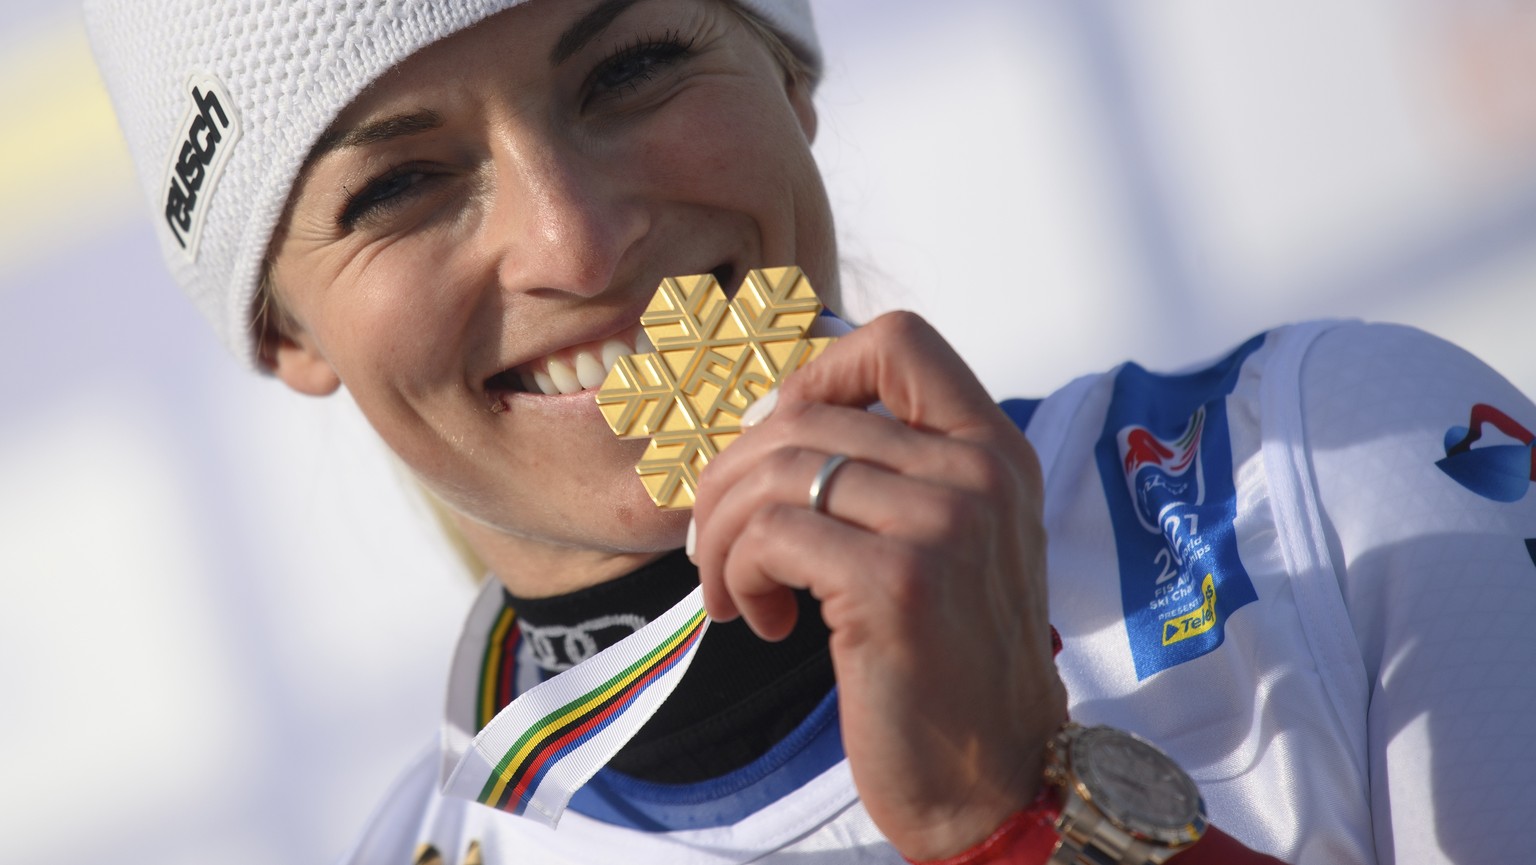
{"points": [[221, 100]]}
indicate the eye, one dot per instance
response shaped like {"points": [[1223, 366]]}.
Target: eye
{"points": [[380, 195], [639, 62]]}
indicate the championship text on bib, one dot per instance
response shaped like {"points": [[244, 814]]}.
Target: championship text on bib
{"points": [[1165, 459]]}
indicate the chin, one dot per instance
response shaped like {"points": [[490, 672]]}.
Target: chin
{"points": [[648, 528]]}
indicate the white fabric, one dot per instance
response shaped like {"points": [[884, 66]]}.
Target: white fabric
{"points": [[1372, 705], [1440, 590], [288, 67]]}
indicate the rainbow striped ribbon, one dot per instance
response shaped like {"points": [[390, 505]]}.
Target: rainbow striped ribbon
{"points": [[538, 751]]}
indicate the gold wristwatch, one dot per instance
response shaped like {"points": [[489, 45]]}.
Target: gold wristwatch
{"points": [[1122, 800]]}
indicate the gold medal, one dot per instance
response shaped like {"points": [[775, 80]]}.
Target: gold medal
{"points": [[713, 357]]}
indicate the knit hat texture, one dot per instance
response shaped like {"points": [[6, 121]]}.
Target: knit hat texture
{"points": [[221, 100]]}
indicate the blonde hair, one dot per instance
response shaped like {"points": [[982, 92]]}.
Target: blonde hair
{"points": [[447, 525], [270, 318]]}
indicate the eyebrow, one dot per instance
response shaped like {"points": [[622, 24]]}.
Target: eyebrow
{"points": [[375, 131], [587, 28], [576, 37]]}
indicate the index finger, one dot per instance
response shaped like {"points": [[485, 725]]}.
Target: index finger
{"points": [[901, 361]]}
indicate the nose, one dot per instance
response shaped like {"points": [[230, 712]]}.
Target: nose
{"points": [[568, 222]]}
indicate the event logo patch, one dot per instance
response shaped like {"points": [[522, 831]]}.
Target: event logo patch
{"points": [[206, 134], [1501, 472], [1165, 461], [1158, 473]]}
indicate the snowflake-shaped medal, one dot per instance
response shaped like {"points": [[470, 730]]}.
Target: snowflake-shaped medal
{"points": [[713, 357]]}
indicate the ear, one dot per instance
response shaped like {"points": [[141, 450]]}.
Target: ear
{"points": [[297, 361]]}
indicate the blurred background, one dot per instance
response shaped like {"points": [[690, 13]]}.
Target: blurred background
{"points": [[224, 625]]}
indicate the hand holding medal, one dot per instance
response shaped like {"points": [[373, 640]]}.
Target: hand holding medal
{"points": [[925, 547]]}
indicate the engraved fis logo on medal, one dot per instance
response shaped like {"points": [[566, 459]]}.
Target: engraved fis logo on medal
{"points": [[1163, 474], [714, 356]]}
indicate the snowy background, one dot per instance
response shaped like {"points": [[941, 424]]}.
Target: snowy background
{"points": [[224, 625]]}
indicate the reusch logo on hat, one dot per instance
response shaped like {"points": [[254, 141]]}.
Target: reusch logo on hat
{"points": [[208, 131]]}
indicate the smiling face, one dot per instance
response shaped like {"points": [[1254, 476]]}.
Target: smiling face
{"points": [[496, 212]]}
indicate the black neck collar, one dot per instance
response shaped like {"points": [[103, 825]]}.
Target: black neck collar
{"points": [[740, 696]]}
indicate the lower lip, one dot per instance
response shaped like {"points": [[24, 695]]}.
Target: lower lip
{"points": [[581, 402], [588, 393]]}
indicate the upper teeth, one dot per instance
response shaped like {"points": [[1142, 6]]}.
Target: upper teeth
{"points": [[582, 367]]}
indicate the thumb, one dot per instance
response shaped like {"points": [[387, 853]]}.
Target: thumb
{"points": [[899, 360]]}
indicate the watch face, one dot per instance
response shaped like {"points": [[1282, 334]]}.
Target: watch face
{"points": [[1137, 787]]}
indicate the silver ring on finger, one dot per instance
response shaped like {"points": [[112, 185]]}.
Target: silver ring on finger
{"points": [[823, 480]]}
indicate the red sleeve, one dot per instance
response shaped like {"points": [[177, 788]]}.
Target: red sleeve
{"points": [[1217, 848]]}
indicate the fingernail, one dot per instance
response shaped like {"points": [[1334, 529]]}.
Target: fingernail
{"points": [[692, 534], [759, 411]]}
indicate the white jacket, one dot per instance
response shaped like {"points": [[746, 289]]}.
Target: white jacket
{"points": [[1319, 599]]}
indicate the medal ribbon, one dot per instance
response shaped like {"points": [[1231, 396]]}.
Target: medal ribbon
{"points": [[539, 750]]}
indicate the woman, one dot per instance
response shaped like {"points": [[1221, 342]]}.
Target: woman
{"points": [[459, 212]]}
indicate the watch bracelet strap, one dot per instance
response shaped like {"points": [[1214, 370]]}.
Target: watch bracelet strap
{"points": [[1088, 837], [1080, 826]]}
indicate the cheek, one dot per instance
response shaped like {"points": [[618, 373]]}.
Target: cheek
{"points": [[731, 145], [756, 163], [397, 312]]}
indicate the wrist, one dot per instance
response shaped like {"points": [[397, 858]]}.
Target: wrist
{"points": [[1025, 838]]}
